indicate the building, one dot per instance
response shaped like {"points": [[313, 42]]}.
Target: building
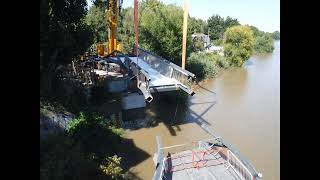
{"points": [[203, 37]]}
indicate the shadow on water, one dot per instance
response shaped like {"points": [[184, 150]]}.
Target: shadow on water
{"points": [[208, 90], [172, 109], [133, 155]]}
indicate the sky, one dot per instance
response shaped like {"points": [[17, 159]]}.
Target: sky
{"points": [[264, 14]]}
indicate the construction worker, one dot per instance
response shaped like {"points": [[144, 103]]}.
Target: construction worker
{"points": [[168, 166]]}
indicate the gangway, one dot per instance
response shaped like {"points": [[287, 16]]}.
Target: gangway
{"points": [[156, 74]]}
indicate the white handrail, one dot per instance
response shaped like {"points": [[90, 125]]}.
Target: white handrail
{"points": [[162, 169], [229, 153]]}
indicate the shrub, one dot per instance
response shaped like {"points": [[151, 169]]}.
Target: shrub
{"points": [[111, 167], [95, 135], [238, 44], [264, 44], [205, 65]]}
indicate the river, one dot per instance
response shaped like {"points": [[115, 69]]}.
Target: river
{"points": [[242, 105]]}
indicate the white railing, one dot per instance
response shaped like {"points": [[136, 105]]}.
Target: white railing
{"points": [[239, 168]]}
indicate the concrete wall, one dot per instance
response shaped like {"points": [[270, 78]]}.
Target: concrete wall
{"points": [[133, 100], [52, 122], [117, 85]]}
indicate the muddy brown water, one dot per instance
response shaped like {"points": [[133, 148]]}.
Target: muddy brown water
{"points": [[242, 105]]}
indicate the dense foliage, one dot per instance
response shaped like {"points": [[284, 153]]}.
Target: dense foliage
{"points": [[87, 151], [263, 41], [205, 65], [97, 21], [63, 37], [160, 30], [217, 25], [263, 44], [197, 25], [238, 44]]}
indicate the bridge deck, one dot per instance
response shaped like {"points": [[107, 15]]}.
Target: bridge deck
{"points": [[157, 79]]}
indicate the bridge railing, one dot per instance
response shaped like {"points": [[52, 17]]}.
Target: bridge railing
{"points": [[239, 168], [235, 153], [166, 67]]}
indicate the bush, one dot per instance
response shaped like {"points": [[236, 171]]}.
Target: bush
{"points": [[111, 167], [95, 135], [86, 151], [205, 65], [263, 40], [263, 44], [238, 44], [218, 42]]}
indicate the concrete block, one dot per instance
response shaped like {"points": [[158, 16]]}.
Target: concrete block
{"points": [[133, 100], [117, 85]]}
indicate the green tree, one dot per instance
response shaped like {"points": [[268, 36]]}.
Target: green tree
{"points": [[256, 31], [63, 37], [197, 25], [229, 22], [160, 30], [216, 27], [276, 35], [126, 29], [264, 44], [97, 21], [263, 41], [238, 44]]}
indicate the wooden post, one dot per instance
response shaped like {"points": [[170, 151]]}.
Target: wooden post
{"points": [[184, 37]]}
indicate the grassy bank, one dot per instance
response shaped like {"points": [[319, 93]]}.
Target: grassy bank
{"points": [[87, 150], [206, 65], [91, 146]]}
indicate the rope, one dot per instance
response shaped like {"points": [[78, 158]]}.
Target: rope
{"points": [[175, 114]]}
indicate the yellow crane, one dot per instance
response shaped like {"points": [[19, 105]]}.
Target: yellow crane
{"points": [[112, 13]]}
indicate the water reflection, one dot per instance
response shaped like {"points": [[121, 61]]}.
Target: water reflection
{"points": [[169, 109], [231, 84]]}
